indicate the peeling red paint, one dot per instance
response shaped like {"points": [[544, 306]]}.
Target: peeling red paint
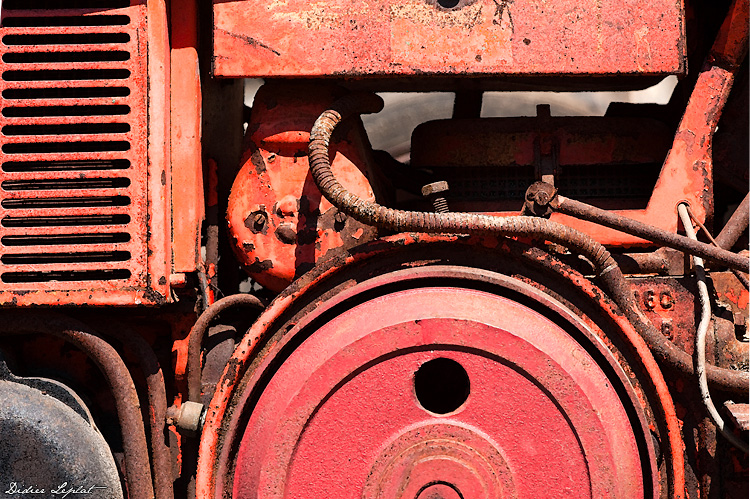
{"points": [[418, 37]]}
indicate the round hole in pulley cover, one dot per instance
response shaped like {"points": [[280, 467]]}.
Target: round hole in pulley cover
{"points": [[441, 385]]}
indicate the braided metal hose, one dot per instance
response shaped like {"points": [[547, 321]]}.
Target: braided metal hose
{"points": [[416, 221], [605, 266]]}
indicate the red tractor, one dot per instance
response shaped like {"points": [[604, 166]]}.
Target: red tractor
{"points": [[513, 307]]}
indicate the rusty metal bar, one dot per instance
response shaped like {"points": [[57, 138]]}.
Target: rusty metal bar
{"points": [[109, 362], [199, 331], [736, 225], [663, 261], [593, 214], [730, 47]]}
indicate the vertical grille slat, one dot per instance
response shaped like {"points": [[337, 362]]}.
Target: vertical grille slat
{"points": [[73, 172]]}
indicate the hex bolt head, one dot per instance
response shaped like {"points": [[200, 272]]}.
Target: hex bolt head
{"points": [[434, 188], [433, 191]]}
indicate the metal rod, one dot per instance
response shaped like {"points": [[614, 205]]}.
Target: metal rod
{"points": [[736, 272], [157, 401], [467, 104], [628, 225], [736, 225]]}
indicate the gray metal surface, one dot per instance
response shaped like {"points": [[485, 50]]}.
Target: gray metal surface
{"points": [[47, 446]]}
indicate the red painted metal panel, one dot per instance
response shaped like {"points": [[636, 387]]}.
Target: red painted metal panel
{"points": [[187, 166], [159, 166], [74, 206], [417, 37]]}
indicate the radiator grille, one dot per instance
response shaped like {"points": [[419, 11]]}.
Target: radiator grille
{"points": [[73, 203]]}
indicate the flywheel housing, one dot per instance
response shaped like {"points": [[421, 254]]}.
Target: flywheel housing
{"points": [[437, 380]]}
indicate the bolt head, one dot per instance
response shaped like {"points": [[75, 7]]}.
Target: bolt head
{"points": [[434, 188], [259, 221]]}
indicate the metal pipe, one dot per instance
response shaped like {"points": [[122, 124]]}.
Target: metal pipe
{"points": [[736, 225], [471, 223], [157, 402], [109, 362], [198, 331], [628, 225], [663, 261], [699, 353]]}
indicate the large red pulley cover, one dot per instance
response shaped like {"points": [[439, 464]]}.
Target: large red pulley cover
{"points": [[441, 392]]}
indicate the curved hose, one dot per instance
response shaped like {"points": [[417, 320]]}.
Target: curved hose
{"points": [[472, 223], [415, 221], [699, 354], [136, 463], [199, 331]]}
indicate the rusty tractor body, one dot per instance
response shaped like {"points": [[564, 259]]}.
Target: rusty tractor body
{"points": [[202, 298]]}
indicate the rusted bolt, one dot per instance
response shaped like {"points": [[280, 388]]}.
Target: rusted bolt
{"points": [[541, 198], [434, 188], [538, 197], [286, 234], [432, 192], [340, 217], [259, 221], [666, 300]]}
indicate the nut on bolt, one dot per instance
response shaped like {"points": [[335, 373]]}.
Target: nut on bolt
{"points": [[259, 220], [340, 217], [539, 197]]}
